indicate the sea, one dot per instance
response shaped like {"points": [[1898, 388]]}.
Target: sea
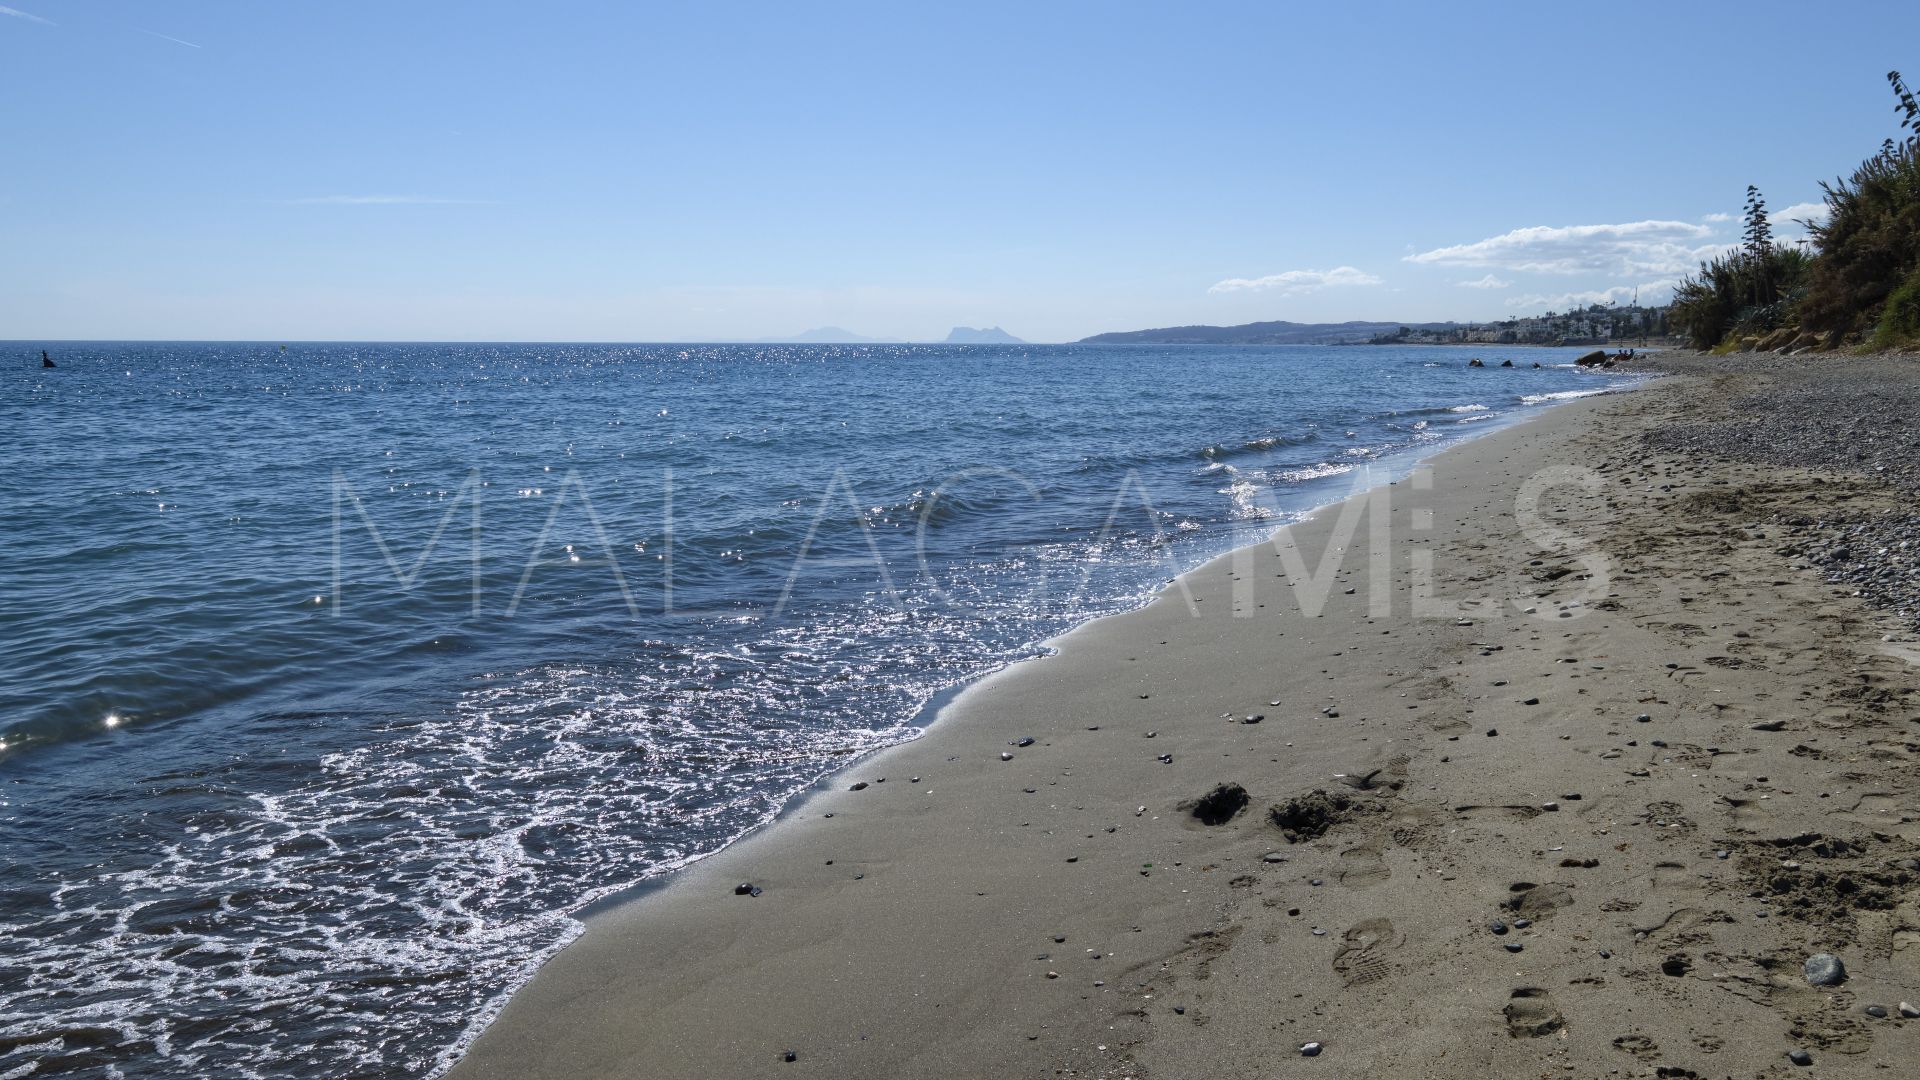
{"points": [[339, 678]]}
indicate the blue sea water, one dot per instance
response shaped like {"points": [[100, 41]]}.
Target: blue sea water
{"points": [[337, 677]]}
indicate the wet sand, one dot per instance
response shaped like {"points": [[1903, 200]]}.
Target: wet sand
{"points": [[1557, 681]]}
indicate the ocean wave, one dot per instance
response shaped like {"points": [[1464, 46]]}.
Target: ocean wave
{"points": [[1563, 395]]}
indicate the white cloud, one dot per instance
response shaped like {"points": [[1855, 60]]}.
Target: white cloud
{"points": [[1716, 218], [1488, 282], [18, 14], [1296, 282], [1790, 217], [383, 200], [1652, 293], [1624, 250]]}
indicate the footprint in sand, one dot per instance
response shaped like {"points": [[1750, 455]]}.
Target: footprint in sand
{"points": [[1639, 1046], [1363, 954], [1363, 866], [1531, 1013]]}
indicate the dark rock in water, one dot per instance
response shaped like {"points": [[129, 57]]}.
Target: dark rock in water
{"points": [[1825, 969], [1219, 806], [1593, 359], [1506, 363]]}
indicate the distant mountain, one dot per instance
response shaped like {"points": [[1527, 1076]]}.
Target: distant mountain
{"points": [[827, 335], [1261, 333], [993, 335]]}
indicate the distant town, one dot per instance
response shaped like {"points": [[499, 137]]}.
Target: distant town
{"points": [[1597, 324]]}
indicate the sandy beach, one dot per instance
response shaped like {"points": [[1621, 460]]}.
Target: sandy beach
{"points": [[1559, 758]]}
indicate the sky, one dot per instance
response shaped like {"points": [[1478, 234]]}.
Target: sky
{"points": [[623, 171]]}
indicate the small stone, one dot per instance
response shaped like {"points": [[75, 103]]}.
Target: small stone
{"points": [[1273, 857], [1497, 927], [1023, 742], [1514, 946], [1004, 756], [1179, 1010], [913, 779], [1606, 954], [1491, 732], [745, 888], [1166, 759], [1770, 725], [1316, 882], [1644, 718], [1800, 1057], [1878, 1012], [1550, 807], [1522, 924], [861, 786], [1059, 939], [1825, 969], [1531, 701], [789, 1056], [1722, 854], [1908, 1010], [1311, 1049], [1053, 974], [1317, 932]]}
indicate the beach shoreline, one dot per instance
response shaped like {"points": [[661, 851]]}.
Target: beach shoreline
{"points": [[982, 907]]}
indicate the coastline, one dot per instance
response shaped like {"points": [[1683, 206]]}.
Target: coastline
{"points": [[901, 927]]}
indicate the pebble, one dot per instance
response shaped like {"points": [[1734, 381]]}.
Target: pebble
{"points": [[1770, 725], [1023, 742], [789, 1056], [1311, 1049], [1878, 1012], [1491, 732], [1497, 927], [1273, 857], [1004, 756], [1825, 969], [746, 888], [1800, 1057], [861, 786], [1166, 759], [1550, 807], [1179, 1010], [1722, 853], [1531, 701], [1909, 1011], [1522, 924], [1514, 946]]}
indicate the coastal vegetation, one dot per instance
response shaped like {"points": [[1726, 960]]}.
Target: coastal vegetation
{"points": [[1858, 285]]}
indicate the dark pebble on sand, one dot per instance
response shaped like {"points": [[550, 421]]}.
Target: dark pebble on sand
{"points": [[789, 1056], [1800, 1057], [1491, 732], [1004, 756], [1316, 882], [1514, 946], [1878, 1012], [1166, 759], [1824, 969], [861, 786], [1179, 1010], [1522, 924], [1497, 927], [1023, 742], [1311, 1049]]}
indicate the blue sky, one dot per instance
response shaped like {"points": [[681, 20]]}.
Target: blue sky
{"points": [[628, 171]]}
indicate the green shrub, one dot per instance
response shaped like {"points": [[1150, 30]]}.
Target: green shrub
{"points": [[1870, 242], [1900, 319]]}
